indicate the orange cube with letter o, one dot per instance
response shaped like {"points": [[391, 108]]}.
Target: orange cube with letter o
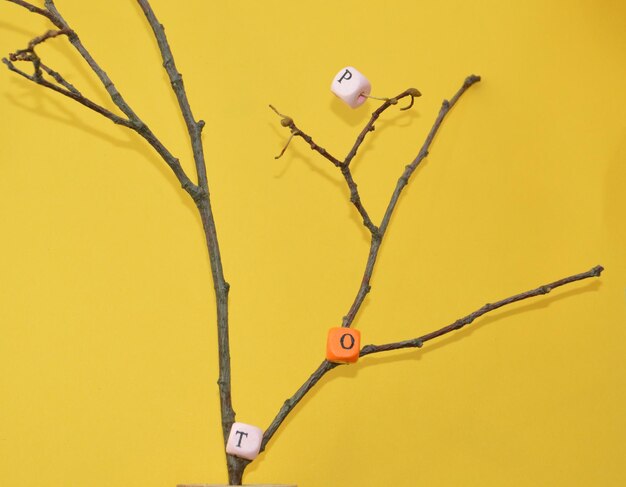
{"points": [[343, 345]]}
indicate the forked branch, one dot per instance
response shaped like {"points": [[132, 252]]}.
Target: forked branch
{"points": [[418, 342], [375, 244], [344, 165], [63, 87], [199, 192], [377, 233]]}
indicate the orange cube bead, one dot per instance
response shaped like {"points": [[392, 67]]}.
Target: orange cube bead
{"points": [[343, 345]]}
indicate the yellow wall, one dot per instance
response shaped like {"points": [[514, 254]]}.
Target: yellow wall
{"points": [[107, 338]]}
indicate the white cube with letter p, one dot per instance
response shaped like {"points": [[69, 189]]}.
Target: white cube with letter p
{"points": [[351, 86], [244, 441]]}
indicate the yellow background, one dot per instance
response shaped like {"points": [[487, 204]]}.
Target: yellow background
{"points": [[107, 338]]}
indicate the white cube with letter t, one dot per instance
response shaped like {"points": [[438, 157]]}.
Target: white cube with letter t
{"points": [[351, 86], [244, 441]]}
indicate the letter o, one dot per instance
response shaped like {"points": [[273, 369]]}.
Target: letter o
{"points": [[341, 341]]}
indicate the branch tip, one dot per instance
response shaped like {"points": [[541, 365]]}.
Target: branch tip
{"points": [[276, 111], [471, 79], [285, 120], [410, 104], [286, 145]]}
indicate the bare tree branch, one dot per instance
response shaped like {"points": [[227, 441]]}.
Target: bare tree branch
{"points": [[74, 94], [199, 193], [327, 366], [235, 465], [59, 79], [446, 106], [466, 320], [133, 121], [51, 34], [355, 198], [369, 127], [193, 127], [114, 94], [376, 240], [344, 167], [296, 132]]}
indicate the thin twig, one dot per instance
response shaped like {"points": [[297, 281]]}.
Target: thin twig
{"points": [[285, 147], [296, 132], [60, 79], [446, 106], [376, 241], [411, 102], [369, 126], [355, 198], [194, 128], [327, 366], [466, 320], [115, 95], [73, 94], [51, 34], [28, 54]]}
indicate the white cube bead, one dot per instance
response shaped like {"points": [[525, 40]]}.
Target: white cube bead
{"points": [[351, 86], [244, 441]]}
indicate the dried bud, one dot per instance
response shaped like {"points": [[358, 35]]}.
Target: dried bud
{"points": [[413, 92], [286, 122], [393, 101]]}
